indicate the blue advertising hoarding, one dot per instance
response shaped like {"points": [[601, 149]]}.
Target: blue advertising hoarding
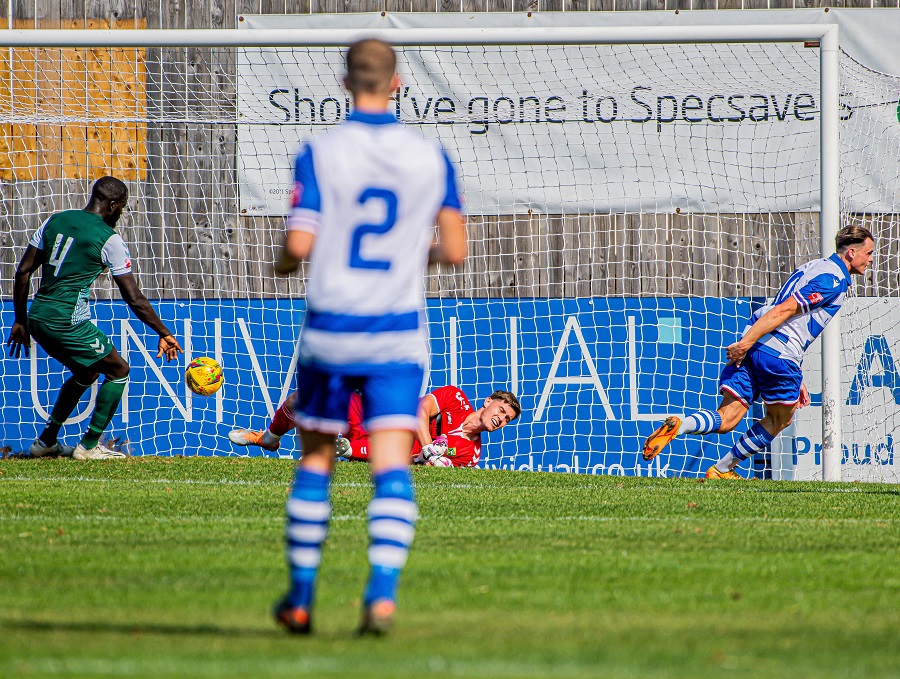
{"points": [[594, 375]]}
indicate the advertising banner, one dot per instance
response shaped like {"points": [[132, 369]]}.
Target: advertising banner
{"points": [[870, 384], [581, 129], [595, 376]]}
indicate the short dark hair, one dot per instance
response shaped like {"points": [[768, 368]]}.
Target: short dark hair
{"points": [[371, 64], [109, 188], [850, 236], [510, 399]]}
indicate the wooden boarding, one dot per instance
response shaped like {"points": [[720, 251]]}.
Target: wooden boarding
{"points": [[189, 241]]}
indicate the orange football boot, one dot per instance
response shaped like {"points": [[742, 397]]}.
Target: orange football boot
{"points": [[247, 437], [661, 437], [713, 473], [293, 618], [377, 618]]}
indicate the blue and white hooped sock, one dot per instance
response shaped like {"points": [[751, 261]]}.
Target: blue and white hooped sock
{"points": [[755, 439], [306, 527], [701, 422], [392, 525]]}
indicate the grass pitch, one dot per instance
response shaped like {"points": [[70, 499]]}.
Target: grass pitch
{"points": [[168, 567]]}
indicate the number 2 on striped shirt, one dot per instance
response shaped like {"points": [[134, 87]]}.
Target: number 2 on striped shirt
{"points": [[389, 198]]}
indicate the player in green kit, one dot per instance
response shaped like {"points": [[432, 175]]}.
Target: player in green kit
{"points": [[74, 247]]}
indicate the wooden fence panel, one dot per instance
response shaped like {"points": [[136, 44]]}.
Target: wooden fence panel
{"points": [[652, 252], [605, 254], [680, 271], [706, 255], [532, 259], [806, 237], [576, 249], [781, 246], [754, 260]]}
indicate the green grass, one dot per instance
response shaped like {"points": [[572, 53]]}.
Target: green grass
{"points": [[168, 567]]}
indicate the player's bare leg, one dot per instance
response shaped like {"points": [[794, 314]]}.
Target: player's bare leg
{"points": [[392, 516], [308, 514], [732, 410], [756, 438], [46, 444]]}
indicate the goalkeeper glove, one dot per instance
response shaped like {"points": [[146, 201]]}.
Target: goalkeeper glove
{"points": [[437, 448], [341, 447]]}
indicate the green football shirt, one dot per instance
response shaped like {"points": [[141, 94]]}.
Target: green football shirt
{"points": [[77, 245]]}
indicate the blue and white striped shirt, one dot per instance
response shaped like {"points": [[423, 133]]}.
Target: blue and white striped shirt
{"points": [[370, 191], [819, 287]]}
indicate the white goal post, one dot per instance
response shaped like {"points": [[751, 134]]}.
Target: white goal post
{"points": [[826, 35]]}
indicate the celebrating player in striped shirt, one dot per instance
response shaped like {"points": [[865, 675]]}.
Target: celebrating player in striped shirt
{"points": [[766, 362], [366, 197]]}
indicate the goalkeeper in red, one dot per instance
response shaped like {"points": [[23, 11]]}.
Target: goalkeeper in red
{"points": [[72, 248], [366, 197], [766, 362], [450, 428], [448, 433]]}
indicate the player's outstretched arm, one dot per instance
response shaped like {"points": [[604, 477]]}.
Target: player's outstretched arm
{"points": [[297, 247], [452, 248], [141, 307], [768, 322], [19, 339], [804, 399], [169, 346], [428, 409]]}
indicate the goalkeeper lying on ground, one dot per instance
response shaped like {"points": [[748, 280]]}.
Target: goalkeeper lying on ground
{"points": [[449, 431]]}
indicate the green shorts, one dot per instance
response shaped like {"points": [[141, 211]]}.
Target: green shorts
{"points": [[81, 344]]}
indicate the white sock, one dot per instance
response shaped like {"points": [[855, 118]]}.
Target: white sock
{"points": [[270, 439], [701, 422], [727, 463]]}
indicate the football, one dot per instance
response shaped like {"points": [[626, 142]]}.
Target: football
{"points": [[204, 376]]}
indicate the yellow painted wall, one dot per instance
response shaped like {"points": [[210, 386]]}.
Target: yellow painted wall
{"points": [[70, 89]]}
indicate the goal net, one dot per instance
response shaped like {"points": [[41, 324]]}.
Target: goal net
{"points": [[628, 207]]}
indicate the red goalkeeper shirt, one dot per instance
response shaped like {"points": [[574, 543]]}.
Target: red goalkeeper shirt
{"points": [[453, 409]]}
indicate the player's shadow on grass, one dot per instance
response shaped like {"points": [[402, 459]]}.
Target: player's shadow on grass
{"points": [[137, 629], [156, 628]]}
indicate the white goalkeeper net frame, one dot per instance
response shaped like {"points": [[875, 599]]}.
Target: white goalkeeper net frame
{"points": [[601, 300]]}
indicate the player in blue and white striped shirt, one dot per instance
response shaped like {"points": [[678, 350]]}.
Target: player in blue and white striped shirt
{"points": [[366, 198], [766, 362]]}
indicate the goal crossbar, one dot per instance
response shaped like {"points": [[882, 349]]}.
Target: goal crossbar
{"points": [[409, 37]]}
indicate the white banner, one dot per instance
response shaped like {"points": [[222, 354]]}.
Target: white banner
{"points": [[577, 129]]}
